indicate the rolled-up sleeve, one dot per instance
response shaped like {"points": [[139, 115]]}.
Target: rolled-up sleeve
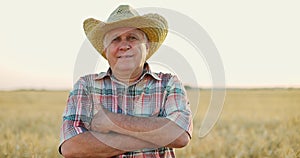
{"points": [[78, 113], [177, 107]]}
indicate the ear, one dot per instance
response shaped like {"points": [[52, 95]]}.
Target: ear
{"points": [[147, 46], [105, 52]]}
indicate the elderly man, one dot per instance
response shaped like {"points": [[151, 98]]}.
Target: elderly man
{"points": [[127, 111]]}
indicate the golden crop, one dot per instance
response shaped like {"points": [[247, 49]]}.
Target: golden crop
{"points": [[253, 124]]}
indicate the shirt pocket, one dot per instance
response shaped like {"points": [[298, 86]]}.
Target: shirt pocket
{"points": [[145, 105]]}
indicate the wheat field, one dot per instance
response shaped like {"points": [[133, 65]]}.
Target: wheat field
{"points": [[255, 123]]}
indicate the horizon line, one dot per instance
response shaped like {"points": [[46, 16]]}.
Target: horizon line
{"points": [[187, 86]]}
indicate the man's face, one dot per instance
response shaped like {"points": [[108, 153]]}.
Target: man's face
{"points": [[126, 49]]}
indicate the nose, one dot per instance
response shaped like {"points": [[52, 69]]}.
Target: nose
{"points": [[124, 45]]}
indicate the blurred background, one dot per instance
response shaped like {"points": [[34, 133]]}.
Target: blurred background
{"points": [[258, 41]]}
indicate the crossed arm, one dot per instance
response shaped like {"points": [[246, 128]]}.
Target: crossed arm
{"points": [[113, 134]]}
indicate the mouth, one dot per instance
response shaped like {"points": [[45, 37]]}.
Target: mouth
{"points": [[124, 56]]}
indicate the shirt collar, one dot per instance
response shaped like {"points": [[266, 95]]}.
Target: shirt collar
{"points": [[146, 71]]}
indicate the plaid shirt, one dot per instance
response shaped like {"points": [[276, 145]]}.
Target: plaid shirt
{"points": [[154, 94]]}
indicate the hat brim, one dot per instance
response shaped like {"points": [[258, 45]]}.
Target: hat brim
{"points": [[154, 26]]}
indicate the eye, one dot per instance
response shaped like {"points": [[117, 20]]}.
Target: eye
{"points": [[132, 38], [117, 39]]}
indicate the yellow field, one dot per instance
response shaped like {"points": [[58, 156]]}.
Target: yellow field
{"points": [[253, 124]]}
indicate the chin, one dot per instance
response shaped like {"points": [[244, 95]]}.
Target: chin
{"points": [[126, 67]]}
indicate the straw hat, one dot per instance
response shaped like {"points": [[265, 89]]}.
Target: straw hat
{"points": [[155, 27]]}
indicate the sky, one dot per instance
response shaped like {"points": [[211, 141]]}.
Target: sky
{"points": [[257, 42]]}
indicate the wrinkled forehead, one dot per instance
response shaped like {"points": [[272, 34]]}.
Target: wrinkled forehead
{"points": [[123, 30]]}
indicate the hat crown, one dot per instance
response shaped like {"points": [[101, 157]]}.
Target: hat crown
{"points": [[121, 13]]}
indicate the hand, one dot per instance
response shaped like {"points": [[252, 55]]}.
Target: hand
{"points": [[101, 121]]}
